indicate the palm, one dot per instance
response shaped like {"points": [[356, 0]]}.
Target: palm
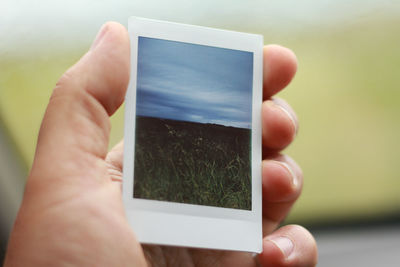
{"points": [[176, 256], [72, 213], [172, 256]]}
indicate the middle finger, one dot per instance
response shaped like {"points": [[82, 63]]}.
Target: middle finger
{"points": [[279, 125]]}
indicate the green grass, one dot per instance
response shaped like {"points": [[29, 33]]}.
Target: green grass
{"points": [[346, 94], [347, 97], [195, 163]]}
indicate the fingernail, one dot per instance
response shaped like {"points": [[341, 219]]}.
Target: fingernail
{"points": [[99, 36], [289, 112], [292, 174], [284, 244]]}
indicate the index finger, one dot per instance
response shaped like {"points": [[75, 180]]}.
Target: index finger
{"points": [[280, 66]]}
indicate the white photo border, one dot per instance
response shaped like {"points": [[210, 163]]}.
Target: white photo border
{"points": [[179, 224]]}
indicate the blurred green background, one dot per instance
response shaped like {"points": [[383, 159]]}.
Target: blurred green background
{"points": [[346, 92]]}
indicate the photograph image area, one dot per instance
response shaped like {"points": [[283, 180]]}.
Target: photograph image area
{"points": [[193, 124]]}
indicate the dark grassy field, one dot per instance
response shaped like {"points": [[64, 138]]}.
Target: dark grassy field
{"points": [[195, 163]]}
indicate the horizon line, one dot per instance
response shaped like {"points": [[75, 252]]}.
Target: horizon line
{"points": [[211, 123]]}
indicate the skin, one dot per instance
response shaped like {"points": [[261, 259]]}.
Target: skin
{"points": [[72, 212]]}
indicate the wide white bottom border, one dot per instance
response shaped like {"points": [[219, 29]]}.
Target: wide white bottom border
{"points": [[193, 231]]}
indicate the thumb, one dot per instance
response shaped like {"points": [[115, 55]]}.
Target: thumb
{"points": [[73, 137]]}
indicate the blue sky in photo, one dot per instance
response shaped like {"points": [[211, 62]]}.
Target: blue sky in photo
{"points": [[190, 82]]}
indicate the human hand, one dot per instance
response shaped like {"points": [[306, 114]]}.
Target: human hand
{"points": [[72, 212]]}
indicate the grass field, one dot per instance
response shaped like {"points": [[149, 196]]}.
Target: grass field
{"points": [[195, 163], [346, 95]]}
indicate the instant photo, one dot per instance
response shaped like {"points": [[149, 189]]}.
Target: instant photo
{"points": [[192, 158], [193, 119]]}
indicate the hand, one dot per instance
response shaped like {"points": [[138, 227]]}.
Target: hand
{"points": [[72, 212]]}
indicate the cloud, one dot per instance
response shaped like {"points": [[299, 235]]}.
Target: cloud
{"points": [[191, 82]]}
